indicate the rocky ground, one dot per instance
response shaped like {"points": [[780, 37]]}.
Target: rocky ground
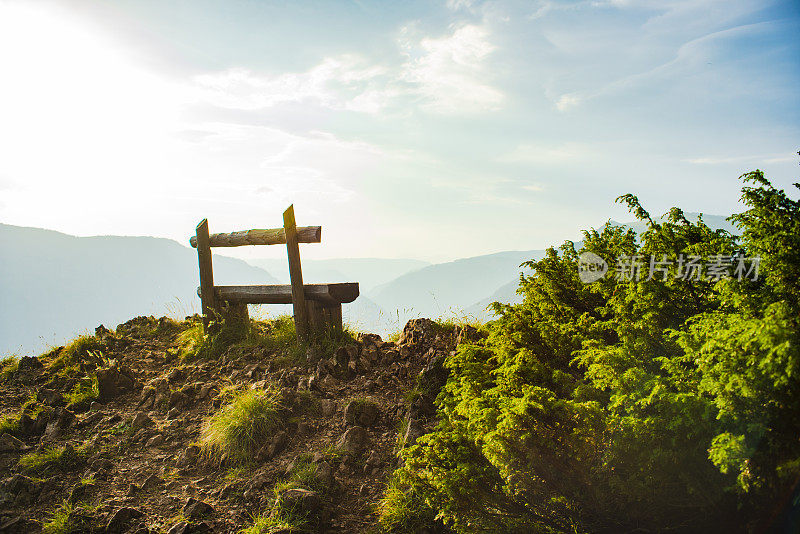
{"points": [[128, 457]]}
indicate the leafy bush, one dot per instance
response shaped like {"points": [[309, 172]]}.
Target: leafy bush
{"points": [[620, 405], [242, 425]]}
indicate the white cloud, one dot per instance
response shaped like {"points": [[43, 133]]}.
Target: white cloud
{"points": [[441, 75], [450, 72], [343, 82]]}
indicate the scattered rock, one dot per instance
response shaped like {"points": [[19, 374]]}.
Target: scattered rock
{"points": [[27, 363], [323, 472], [152, 482], [60, 420], [102, 332], [303, 500], [9, 443], [114, 381], [327, 407], [81, 492], [188, 456], [155, 441], [194, 509], [274, 447], [176, 375], [17, 525], [19, 490], [360, 412], [190, 528], [90, 420], [418, 331], [140, 421], [354, 440], [121, 518], [50, 397], [178, 399]]}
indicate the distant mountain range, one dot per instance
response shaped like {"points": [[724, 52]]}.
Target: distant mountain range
{"points": [[368, 272], [56, 286]]}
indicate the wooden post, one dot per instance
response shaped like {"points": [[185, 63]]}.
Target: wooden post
{"points": [[236, 315], [316, 316], [333, 315], [209, 305], [295, 274]]}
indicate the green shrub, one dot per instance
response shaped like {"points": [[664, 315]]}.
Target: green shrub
{"points": [[242, 425], [648, 404]]}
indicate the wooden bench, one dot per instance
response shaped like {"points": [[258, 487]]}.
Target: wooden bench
{"points": [[315, 306]]}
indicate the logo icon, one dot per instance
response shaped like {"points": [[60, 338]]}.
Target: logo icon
{"points": [[591, 267]]}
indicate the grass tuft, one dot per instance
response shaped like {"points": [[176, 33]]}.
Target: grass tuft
{"points": [[242, 425], [69, 518], [9, 424], [68, 360], [84, 392], [402, 509], [8, 366], [66, 458], [195, 344], [60, 522], [276, 521]]}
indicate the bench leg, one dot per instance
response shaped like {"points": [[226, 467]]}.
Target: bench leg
{"points": [[236, 315], [316, 316], [333, 316]]}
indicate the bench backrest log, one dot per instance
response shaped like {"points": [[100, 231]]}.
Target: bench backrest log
{"points": [[314, 306]]}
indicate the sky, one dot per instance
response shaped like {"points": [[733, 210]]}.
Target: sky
{"points": [[427, 130]]}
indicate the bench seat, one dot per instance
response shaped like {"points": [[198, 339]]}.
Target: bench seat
{"points": [[324, 294]]}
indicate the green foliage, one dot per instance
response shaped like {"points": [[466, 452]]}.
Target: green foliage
{"points": [[9, 424], [195, 344], [84, 391], [403, 509], [276, 521], [242, 425], [82, 350], [60, 522], [8, 366], [66, 458], [650, 404], [70, 518]]}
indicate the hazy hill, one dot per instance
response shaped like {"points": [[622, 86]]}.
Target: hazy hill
{"points": [[368, 272], [56, 285], [448, 289]]}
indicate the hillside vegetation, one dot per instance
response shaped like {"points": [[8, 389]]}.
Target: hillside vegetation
{"points": [[157, 427], [644, 405]]}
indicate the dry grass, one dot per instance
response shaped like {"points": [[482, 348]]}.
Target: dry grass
{"points": [[242, 425]]}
